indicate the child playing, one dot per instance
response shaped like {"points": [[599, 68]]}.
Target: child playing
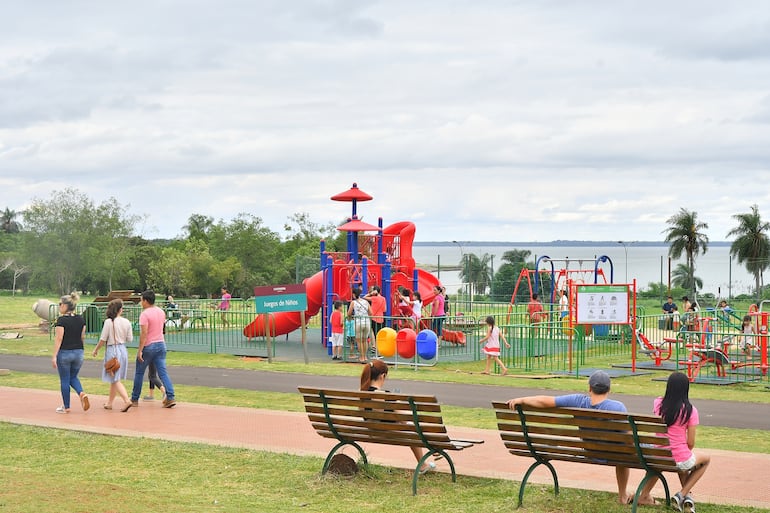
{"points": [[338, 328], [681, 417], [492, 346], [748, 342], [350, 334]]}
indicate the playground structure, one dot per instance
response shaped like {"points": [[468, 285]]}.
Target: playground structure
{"points": [[383, 258]]}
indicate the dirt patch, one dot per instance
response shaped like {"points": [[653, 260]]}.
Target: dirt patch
{"points": [[23, 326], [343, 465]]}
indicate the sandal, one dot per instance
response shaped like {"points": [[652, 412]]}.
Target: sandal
{"points": [[107, 406], [84, 401], [127, 407]]}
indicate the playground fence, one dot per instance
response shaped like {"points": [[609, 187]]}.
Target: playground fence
{"points": [[547, 347]]}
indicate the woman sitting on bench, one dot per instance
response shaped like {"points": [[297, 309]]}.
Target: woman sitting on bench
{"points": [[372, 380]]}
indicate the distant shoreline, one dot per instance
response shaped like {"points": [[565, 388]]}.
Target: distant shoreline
{"points": [[565, 243]]}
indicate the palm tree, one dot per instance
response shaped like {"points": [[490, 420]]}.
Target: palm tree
{"points": [[751, 245], [685, 235], [8, 221], [680, 277], [477, 272]]}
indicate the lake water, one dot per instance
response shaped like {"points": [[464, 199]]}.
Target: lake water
{"points": [[645, 263]]}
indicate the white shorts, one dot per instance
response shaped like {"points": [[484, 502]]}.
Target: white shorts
{"points": [[337, 339], [686, 465]]}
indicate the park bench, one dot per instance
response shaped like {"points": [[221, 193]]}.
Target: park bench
{"points": [[355, 417], [578, 435], [128, 296]]}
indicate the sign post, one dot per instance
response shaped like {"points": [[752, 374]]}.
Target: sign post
{"points": [[281, 298]]}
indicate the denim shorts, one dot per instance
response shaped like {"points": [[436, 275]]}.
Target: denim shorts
{"points": [[686, 465]]}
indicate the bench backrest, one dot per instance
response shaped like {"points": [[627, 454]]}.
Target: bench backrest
{"points": [[376, 417], [585, 435]]}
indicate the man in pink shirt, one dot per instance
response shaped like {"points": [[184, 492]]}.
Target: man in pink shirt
{"points": [[152, 349]]}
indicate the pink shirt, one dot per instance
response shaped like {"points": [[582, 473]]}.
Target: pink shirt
{"points": [[225, 303], [677, 433], [154, 318], [437, 306]]}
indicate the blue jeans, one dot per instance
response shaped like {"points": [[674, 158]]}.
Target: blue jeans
{"points": [[68, 364], [155, 354]]}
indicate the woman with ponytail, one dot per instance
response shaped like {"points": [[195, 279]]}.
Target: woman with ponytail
{"points": [[373, 380], [69, 335]]}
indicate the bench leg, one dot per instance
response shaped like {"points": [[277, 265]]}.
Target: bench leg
{"points": [[428, 454], [651, 474], [529, 472]]}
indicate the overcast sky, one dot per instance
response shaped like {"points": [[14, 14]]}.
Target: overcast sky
{"points": [[477, 120]]}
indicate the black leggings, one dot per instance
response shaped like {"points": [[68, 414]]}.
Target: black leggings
{"points": [[152, 377]]}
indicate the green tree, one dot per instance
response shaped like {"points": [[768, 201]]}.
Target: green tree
{"points": [[513, 261], [682, 278], [685, 235], [72, 243], [477, 271], [751, 245], [198, 227], [8, 222], [255, 247]]}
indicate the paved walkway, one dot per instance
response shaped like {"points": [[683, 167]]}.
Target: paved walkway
{"points": [[734, 478]]}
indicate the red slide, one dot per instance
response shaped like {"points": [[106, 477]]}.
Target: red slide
{"points": [[286, 322]]}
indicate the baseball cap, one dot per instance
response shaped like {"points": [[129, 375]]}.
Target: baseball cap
{"points": [[599, 379]]}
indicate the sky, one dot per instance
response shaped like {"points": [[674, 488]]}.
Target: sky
{"points": [[477, 120]]}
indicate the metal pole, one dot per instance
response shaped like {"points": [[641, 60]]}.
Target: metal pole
{"points": [[625, 250], [463, 262]]}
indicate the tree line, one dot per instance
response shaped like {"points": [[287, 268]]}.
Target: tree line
{"points": [[67, 242]]}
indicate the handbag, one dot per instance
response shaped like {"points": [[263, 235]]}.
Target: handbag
{"points": [[112, 365]]}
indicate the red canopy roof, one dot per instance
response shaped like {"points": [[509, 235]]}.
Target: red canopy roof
{"points": [[352, 194], [356, 225]]}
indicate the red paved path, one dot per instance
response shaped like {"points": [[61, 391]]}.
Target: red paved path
{"points": [[734, 478]]}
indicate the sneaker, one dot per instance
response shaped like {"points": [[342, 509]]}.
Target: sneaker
{"points": [[430, 467], [169, 403], [676, 502], [61, 409], [688, 505], [148, 398]]}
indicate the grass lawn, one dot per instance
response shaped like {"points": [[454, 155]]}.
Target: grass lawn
{"points": [[48, 470]]}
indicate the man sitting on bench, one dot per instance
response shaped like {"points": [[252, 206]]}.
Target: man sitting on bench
{"points": [[597, 399]]}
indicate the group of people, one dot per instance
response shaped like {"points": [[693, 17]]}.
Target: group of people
{"points": [[359, 324], [691, 321], [679, 415], [68, 354], [674, 407]]}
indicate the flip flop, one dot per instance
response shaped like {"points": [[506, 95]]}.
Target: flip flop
{"points": [[107, 406], [127, 407]]}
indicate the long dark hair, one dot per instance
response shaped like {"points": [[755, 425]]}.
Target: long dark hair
{"points": [[113, 308], [372, 372], [676, 407]]}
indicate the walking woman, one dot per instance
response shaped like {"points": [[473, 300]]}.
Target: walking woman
{"points": [[116, 331], [69, 335]]}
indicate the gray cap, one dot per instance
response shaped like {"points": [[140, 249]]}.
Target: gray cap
{"points": [[599, 379]]}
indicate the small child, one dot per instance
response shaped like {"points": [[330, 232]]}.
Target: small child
{"points": [[681, 417], [675, 318], [350, 334], [492, 346], [338, 328], [748, 342]]}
